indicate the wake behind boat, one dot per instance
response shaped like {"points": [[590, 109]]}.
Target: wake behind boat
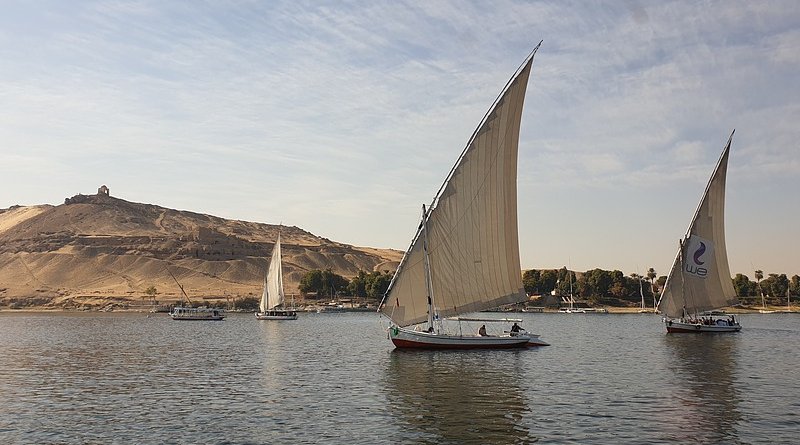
{"points": [[465, 254], [700, 278], [272, 297]]}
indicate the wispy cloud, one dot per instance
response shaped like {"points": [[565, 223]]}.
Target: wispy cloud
{"points": [[343, 118]]}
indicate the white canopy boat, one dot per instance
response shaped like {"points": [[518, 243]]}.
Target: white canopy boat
{"points": [[273, 297], [700, 278], [191, 313], [464, 257], [197, 313]]}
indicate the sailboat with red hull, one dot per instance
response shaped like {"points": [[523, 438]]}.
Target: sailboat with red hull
{"points": [[464, 257]]}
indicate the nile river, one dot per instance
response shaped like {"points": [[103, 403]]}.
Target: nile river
{"points": [[127, 378]]}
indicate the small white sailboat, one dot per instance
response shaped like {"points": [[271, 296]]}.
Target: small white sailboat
{"points": [[643, 310], [273, 297], [191, 313], [700, 279], [763, 309], [465, 255], [570, 309]]}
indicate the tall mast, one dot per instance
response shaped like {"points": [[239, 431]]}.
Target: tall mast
{"points": [[428, 280], [189, 301]]}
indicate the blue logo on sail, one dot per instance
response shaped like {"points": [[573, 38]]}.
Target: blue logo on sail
{"points": [[700, 251]]}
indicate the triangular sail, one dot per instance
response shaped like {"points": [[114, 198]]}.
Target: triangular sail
{"points": [[700, 278], [472, 237], [273, 282]]}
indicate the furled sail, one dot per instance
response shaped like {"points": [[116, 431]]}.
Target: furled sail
{"points": [[700, 278], [273, 282], [472, 239]]}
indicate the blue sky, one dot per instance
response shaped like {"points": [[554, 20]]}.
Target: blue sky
{"points": [[343, 118]]}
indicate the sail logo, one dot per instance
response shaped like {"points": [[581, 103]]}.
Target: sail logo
{"points": [[700, 253]]}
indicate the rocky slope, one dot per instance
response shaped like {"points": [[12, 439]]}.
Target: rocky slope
{"points": [[96, 249]]}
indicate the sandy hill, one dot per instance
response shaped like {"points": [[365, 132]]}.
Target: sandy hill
{"points": [[96, 248]]}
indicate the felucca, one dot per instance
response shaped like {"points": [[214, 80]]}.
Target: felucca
{"points": [[272, 297], [700, 278], [464, 256]]}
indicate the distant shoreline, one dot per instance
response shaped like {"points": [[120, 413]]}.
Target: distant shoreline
{"points": [[610, 309]]}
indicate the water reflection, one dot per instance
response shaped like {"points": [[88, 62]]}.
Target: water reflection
{"points": [[704, 405], [271, 353], [452, 397]]}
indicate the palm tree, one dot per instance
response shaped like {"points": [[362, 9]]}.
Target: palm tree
{"points": [[759, 277], [151, 292], [651, 276]]}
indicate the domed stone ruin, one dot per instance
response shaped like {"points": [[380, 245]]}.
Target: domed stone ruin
{"points": [[103, 191]]}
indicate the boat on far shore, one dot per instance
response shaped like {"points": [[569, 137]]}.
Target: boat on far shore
{"points": [[197, 313], [191, 313]]}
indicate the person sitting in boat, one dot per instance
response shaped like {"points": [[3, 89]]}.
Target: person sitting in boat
{"points": [[482, 331], [515, 329]]}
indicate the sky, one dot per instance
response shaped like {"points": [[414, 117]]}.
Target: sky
{"points": [[343, 118]]}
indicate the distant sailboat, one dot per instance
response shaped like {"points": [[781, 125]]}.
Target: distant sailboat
{"points": [[570, 309], [272, 297], [465, 255], [700, 278], [763, 309]]}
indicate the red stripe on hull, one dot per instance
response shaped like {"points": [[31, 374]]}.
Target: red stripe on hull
{"points": [[676, 330], [406, 344]]}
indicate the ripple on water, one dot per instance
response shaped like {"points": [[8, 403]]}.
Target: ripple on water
{"points": [[128, 378]]}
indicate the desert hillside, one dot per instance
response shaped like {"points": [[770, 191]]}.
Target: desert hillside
{"points": [[97, 248]]}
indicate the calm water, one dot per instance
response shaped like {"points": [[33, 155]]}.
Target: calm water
{"points": [[335, 378]]}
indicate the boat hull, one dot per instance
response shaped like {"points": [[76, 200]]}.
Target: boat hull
{"points": [[678, 327], [197, 314], [195, 318], [408, 339], [277, 315]]}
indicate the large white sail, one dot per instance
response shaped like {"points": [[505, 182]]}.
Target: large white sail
{"points": [[473, 248], [700, 278], [273, 282]]}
